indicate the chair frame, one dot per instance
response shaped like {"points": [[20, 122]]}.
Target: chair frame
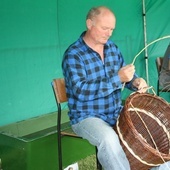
{"points": [[59, 90], [159, 62]]}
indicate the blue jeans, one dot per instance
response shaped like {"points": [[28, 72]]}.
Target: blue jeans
{"points": [[110, 152], [165, 166], [102, 135]]}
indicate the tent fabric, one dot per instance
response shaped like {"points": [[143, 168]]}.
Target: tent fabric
{"points": [[35, 34]]}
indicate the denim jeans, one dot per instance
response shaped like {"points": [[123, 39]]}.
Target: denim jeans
{"points": [[165, 166], [110, 152], [102, 135]]}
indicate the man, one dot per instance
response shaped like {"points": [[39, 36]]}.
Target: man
{"points": [[95, 72]]}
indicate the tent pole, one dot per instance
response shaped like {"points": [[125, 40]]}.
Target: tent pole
{"points": [[145, 42]]}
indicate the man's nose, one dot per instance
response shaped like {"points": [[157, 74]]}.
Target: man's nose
{"points": [[109, 33]]}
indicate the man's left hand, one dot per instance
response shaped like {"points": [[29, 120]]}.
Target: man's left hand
{"points": [[140, 84]]}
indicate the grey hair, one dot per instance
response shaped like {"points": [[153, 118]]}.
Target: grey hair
{"points": [[93, 12]]}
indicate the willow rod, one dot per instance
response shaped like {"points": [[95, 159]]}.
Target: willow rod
{"points": [[168, 36], [133, 62]]}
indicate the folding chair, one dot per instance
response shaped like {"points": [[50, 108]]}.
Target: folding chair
{"points": [[59, 90], [159, 61]]}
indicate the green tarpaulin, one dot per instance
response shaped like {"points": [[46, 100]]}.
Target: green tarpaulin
{"points": [[35, 34]]}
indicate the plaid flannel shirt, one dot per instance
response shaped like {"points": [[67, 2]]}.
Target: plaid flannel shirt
{"points": [[93, 87]]}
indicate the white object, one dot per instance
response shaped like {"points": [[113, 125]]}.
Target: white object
{"points": [[72, 167]]}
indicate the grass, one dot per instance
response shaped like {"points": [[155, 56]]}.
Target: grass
{"points": [[89, 163]]}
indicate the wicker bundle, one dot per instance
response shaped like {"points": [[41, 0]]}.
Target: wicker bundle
{"points": [[144, 130]]}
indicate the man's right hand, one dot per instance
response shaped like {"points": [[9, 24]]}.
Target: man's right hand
{"points": [[126, 73]]}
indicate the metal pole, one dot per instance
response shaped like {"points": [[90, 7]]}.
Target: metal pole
{"points": [[145, 42]]}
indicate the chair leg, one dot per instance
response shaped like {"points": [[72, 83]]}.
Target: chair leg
{"points": [[99, 166], [60, 163], [59, 151]]}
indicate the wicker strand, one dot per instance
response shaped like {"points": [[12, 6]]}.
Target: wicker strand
{"points": [[133, 62], [153, 90], [168, 36], [136, 110], [153, 117]]}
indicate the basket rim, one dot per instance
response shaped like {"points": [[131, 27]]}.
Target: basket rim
{"points": [[137, 94]]}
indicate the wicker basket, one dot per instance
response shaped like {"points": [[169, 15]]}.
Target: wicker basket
{"points": [[144, 130]]}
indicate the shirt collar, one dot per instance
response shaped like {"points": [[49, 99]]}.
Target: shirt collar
{"points": [[106, 46]]}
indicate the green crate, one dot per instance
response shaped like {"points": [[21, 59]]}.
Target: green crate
{"points": [[32, 145]]}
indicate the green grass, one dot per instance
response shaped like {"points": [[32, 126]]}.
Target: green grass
{"points": [[89, 163]]}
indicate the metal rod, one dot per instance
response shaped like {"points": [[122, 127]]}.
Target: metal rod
{"points": [[145, 42]]}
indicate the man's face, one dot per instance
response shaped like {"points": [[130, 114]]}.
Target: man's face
{"points": [[102, 27]]}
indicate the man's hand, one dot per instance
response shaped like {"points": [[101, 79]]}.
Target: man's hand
{"points": [[126, 73], [140, 84]]}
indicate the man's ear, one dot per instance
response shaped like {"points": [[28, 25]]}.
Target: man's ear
{"points": [[89, 23]]}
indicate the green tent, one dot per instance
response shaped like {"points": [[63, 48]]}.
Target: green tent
{"points": [[35, 34]]}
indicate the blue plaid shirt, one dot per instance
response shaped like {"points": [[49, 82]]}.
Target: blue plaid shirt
{"points": [[93, 87]]}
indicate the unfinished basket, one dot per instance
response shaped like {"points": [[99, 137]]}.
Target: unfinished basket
{"points": [[144, 130]]}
